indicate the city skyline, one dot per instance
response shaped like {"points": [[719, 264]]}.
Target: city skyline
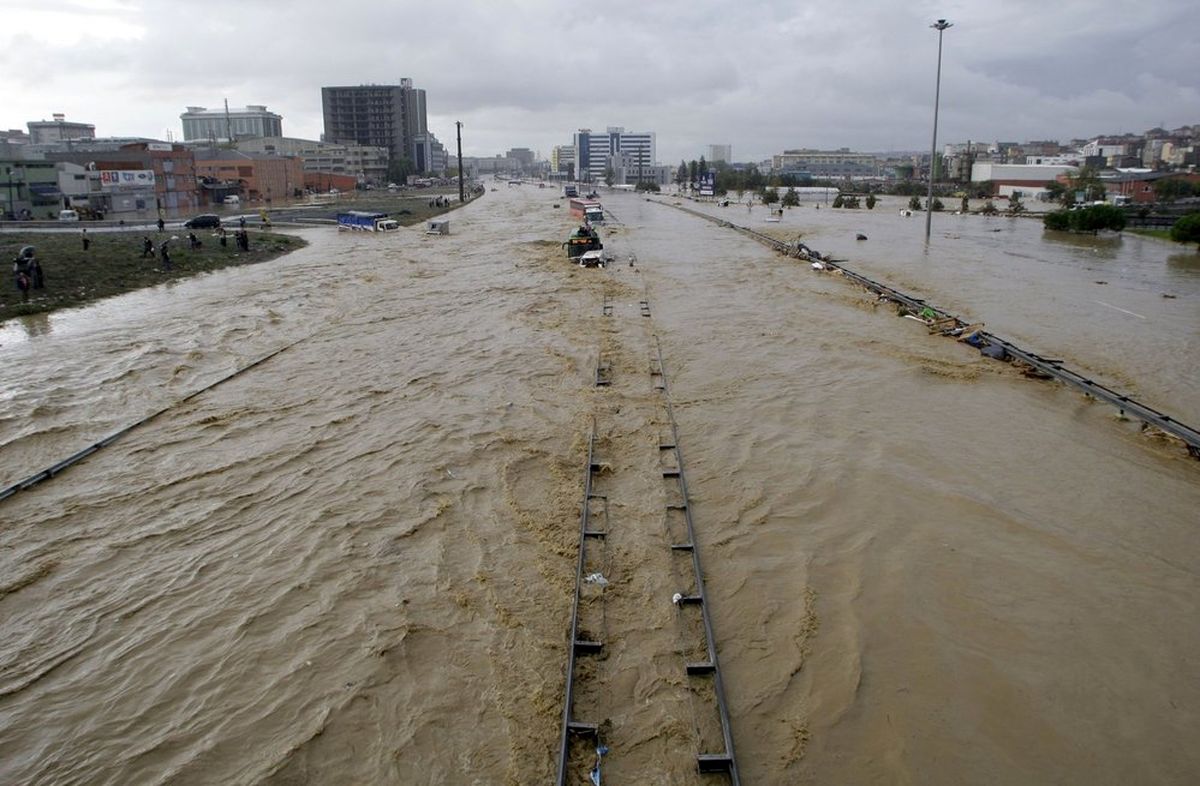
{"points": [[762, 76]]}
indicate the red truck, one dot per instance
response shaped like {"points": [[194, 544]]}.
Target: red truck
{"points": [[587, 209]]}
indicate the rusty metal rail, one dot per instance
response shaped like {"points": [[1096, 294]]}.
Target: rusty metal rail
{"points": [[1148, 415], [722, 761], [56, 469], [576, 646]]}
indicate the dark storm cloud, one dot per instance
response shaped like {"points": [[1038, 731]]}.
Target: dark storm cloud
{"points": [[762, 75]]}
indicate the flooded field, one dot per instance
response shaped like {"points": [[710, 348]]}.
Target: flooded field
{"points": [[354, 563]]}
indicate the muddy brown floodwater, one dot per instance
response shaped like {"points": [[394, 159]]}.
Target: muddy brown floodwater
{"points": [[354, 563]]}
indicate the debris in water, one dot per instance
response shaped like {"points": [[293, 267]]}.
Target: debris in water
{"points": [[596, 578], [595, 773], [678, 596]]}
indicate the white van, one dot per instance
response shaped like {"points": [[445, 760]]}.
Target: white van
{"points": [[68, 215], [233, 199]]}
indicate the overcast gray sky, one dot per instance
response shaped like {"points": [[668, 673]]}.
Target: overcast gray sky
{"points": [[762, 75]]}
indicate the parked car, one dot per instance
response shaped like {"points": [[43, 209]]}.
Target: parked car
{"points": [[233, 199], [68, 215], [200, 222]]}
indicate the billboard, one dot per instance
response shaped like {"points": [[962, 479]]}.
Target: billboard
{"points": [[126, 179], [708, 183]]}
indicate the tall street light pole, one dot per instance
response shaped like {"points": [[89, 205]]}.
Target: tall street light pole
{"points": [[940, 25], [461, 196], [9, 207]]}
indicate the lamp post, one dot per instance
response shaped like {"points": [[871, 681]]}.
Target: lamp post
{"points": [[458, 128], [940, 25], [9, 207]]}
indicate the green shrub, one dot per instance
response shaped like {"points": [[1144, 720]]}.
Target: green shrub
{"points": [[1058, 220], [1187, 229]]}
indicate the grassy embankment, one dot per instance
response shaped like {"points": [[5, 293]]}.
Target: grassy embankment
{"points": [[408, 207], [114, 264], [1161, 234]]}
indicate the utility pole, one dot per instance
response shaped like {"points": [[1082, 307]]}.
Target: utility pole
{"points": [[461, 196], [940, 25]]}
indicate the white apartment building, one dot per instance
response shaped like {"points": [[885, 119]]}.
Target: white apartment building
{"points": [[253, 120], [826, 163], [365, 162]]}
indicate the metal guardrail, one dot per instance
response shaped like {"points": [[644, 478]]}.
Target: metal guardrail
{"points": [[55, 470], [721, 761], [1189, 435], [576, 646]]}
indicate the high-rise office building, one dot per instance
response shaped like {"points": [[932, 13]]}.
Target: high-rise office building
{"points": [[720, 153], [391, 116], [593, 151]]}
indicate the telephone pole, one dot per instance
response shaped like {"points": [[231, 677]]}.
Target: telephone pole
{"points": [[461, 196]]}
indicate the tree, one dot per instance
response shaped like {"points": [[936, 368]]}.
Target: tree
{"points": [[914, 202], [1014, 205], [1087, 219], [989, 208], [693, 168], [608, 176], [702, 167], [983, 189], [1169, 189], [1187, 230], [1097, 217], [790, 198], [838, 201], [1087, 182], [937, 205], [768, 196], [681, 175], [399, 169], [1057, 220], [965, 207], [1055, 191], [870, 201], [850, 202], [647, 185]]}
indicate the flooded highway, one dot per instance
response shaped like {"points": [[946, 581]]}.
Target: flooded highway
{"points": [[354, 562]]}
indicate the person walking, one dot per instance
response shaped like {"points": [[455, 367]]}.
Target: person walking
{"points": [[147, 247], [224, 240], [87, 241], [161, 224], [165, 254]]}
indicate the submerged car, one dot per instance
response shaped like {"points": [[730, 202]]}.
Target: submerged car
{"points": [[200, 222]]}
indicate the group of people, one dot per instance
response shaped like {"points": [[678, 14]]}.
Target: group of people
{"points": [[241, 239], [27, 273]]}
